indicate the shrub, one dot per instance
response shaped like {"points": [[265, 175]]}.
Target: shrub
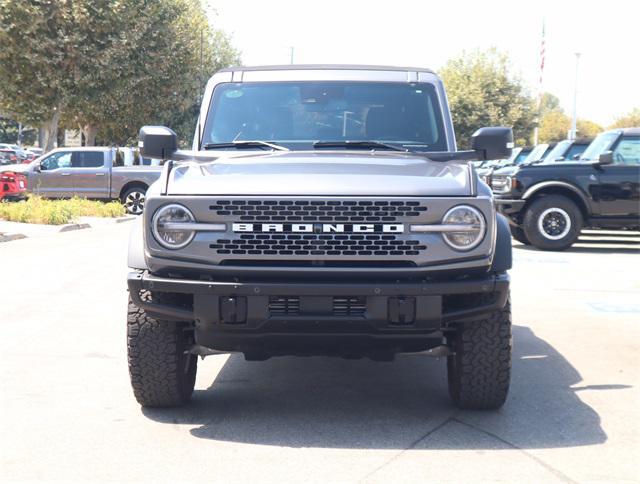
{"points": [[38, 210]]}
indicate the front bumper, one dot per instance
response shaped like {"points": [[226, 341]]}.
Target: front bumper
{"points": [[233, 316]]}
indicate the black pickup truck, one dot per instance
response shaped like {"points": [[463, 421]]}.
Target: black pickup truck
{"points": [[548, 204]]}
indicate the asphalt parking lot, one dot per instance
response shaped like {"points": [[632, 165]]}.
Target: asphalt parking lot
{"points": [[573, 414]]}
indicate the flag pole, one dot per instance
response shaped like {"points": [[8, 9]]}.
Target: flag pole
{"points": [[539, 103]]}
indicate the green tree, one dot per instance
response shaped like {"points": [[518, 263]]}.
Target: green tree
{"points": [[588, 129], [629, 120], [554, 126], [548, 103], [155, 74], [483, 91], [105, 66]]}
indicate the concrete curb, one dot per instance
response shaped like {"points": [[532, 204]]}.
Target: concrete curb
{"points": [[10, 237], [23, 231], [69, 227]]}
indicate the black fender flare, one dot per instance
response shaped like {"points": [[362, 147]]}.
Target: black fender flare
{"points": [[135, 256], [535, 189], [503, 257]]}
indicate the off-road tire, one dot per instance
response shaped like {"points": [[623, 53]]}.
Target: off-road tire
{"points": [[479, 372], [518, 234], [537, 209], [162, 374]]}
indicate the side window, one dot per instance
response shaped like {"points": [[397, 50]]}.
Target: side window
{"points": [[627, 152], [118, 159], [570, 155], [88, 159], [61, 159]]}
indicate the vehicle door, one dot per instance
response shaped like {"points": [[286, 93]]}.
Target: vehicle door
{"points": [[618, 190], [52, 177], [90, 174]]}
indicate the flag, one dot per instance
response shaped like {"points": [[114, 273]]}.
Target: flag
{"points": [[542, 56]]}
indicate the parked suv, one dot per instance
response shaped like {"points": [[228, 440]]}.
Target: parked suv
{"points": [[550, 203], [323, 211]]}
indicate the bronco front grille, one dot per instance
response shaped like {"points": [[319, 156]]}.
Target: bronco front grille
{"points": [[343, 242], [318, 244], [318, 210]]}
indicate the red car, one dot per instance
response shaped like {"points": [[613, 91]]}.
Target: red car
{"points": [[13, 186]]}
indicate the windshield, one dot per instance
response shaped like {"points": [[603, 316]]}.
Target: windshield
{"points": [[537, 153], [599, 145], [297, 114], [520, 157], [557, 152]]}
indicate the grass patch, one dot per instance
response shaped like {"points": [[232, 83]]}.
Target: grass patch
{"points": [[38, 210]]}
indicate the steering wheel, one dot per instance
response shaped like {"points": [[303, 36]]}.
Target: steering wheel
{"points": [[620, 157]]}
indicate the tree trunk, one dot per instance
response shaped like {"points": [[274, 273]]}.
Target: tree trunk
{"points": [[90, 131], [41, 137], [50, 128]]}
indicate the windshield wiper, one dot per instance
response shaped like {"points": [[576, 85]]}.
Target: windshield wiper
{"points": [[245, 144], [358, 144]]}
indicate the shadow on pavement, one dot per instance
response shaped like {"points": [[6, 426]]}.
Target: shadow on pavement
{"points": [[325, 402], [591, 247]]}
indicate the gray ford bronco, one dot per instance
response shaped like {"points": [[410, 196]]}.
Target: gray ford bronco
{"points": [[322, 210]]}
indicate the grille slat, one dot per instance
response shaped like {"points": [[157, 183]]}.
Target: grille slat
{"points": [[318, 208], [350, 306], [320, 244]]}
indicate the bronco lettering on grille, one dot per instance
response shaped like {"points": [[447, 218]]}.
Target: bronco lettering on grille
{"points": [[320, 228]]}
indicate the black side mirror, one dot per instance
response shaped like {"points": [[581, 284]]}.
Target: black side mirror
{"points": [[605, 158], [157, 142], [492, 143]]}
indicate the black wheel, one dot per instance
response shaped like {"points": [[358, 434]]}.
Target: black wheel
{"points": [[518, 234], [133, 199], [479, 372], [552, 223], [162, 374]]}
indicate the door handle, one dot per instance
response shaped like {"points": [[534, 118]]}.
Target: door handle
{"points": [[99, 174], [65, 174]]}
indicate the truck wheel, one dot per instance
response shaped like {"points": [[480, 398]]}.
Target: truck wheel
{"points": [[133, 199], [518, 234], [552, 223], [480, 370], [162, 374]]}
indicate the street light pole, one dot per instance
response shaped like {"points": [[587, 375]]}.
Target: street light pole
{"points": [[292, 49], [574, 131]]}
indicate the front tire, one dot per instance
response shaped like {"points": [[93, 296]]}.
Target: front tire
{"points": [[162, 373], [479, 372], [552, 222], [518, 234]]}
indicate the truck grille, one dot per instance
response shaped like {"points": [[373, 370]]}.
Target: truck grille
{"points": [[318, 210], [318, 244]]}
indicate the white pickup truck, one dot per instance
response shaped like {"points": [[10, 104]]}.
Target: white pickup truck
{"points": [[91, 172]]}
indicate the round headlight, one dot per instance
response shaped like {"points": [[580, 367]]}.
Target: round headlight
{"points": [[166, 226], [472, 227]]}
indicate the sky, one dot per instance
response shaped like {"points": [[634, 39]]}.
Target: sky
{"points": [[427, 33]]}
